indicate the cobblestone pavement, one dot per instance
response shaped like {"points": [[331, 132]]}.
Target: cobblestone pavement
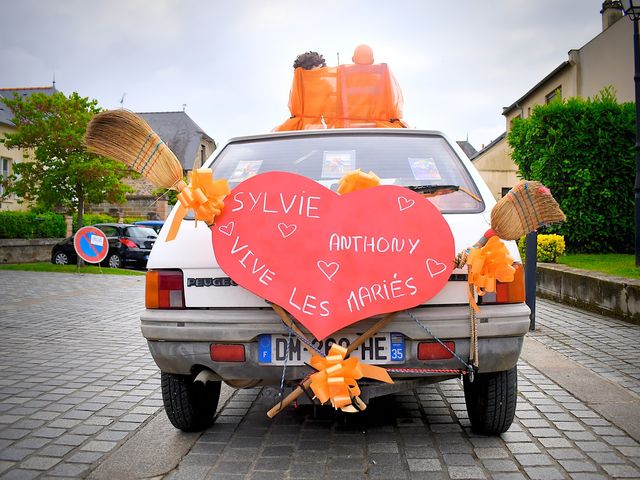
{"points": [[76, 380], [604, 345], [76, 375], [425, 433]]}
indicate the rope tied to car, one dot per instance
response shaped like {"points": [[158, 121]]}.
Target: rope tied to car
{"points": [[468, 366], [284, 367]]}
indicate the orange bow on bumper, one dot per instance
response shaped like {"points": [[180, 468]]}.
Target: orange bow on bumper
{"points": [[203, 195], [488, 264], [336, 377]]}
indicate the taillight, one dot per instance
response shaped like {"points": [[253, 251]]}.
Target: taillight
{"points": [[164, 289], [511, 292], [435, 351], [227, 353], [128, 243]]}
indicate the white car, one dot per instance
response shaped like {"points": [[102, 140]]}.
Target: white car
{"points": [[199, 323]]}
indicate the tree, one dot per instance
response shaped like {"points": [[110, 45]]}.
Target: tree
{"points": [[171, 196], [583, 150], [64, 174]]}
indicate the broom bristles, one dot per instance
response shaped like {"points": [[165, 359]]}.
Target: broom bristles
{"points": [[123, 136], [527, 206]]}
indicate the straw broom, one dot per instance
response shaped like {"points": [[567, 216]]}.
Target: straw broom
{"points": [[122, 135], [528, 206]]}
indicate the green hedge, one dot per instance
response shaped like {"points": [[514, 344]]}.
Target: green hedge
{"points": [[32, 225], [583, 150]]}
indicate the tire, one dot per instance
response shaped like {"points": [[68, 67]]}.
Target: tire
{"points": [[491, 401], [189, 405], [60, 258], [114, 261]]}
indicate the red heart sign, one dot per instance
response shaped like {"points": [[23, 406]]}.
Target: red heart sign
{"points": [[332, 260]]}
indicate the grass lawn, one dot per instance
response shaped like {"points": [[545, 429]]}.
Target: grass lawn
{"points": [[611, 263], [50, 267]]}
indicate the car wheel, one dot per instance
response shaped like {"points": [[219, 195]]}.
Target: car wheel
{"points": [[60, 258], [114, 261], [190, 405], [491, 401]]}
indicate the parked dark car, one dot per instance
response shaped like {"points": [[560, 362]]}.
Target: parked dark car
{"points": [[129, 245], [155, 224]]}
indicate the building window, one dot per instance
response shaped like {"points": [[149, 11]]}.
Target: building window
{"points": [[554, 95], [504, 191], [5, 164], [202, 154]]}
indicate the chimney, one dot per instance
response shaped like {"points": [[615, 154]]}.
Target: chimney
{"points": [[611, 12]]}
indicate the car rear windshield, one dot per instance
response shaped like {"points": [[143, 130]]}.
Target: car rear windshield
{"points": [[140, 232], [406, 160]]}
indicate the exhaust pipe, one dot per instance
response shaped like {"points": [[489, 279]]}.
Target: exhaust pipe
{"points": [[206, 376]]}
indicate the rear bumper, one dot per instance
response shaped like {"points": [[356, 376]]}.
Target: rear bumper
{"points": [[136, 256], [179, 339]]}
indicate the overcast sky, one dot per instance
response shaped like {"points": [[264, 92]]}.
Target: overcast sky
{"points": [[458, 62]]}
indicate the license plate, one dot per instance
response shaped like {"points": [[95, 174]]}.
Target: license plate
{"points": [[379, 349]]}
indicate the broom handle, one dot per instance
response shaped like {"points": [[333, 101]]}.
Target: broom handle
{"points": [[278, 407], [485, 238], [380, 324]]}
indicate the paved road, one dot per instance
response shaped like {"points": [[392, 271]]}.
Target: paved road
{"points": [[76, 377], [78, 389]]}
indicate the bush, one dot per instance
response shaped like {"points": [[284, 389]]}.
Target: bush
{"points": [[583, 150], [32, 225], [50, 225], [550, 247], [92, 219], [133, 219]]}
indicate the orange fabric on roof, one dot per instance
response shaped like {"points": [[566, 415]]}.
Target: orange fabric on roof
{"points": [[346, 96]]}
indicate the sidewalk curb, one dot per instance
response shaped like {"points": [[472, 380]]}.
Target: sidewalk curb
{"points": [[607, 398], [153, 451], [605, 294]]}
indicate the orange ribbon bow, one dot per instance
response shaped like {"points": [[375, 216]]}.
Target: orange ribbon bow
{"points": [[203, 195], [357, 180], [336, 377], [486, 265]]}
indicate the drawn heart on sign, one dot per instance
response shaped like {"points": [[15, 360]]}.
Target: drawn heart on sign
{"points": [[434, 267], [287, 230], [404, 203], [227, 229], [332, 260], [329, 269]]}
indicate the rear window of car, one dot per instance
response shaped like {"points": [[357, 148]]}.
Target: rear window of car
{"points": [[140, 232], [108, 230], [406, 160]]}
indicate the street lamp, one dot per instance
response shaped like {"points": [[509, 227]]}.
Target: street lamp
{"points": [[632, 10]]}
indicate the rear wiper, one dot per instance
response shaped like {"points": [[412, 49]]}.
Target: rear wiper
{"points": [[433, 190]]}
